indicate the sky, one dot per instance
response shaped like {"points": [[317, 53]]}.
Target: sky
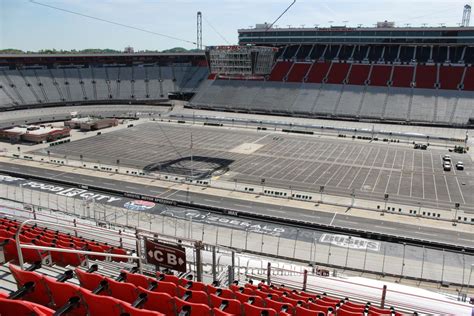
{"points": [[28, 26]]}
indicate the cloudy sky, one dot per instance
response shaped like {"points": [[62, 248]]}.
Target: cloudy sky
{"points": [[29, 26]]}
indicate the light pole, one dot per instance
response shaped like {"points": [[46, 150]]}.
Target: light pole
{"points": [[321, 191], [262, 181]]}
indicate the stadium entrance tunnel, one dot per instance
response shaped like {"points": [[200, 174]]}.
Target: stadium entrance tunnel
{"points": [[195, 167]]}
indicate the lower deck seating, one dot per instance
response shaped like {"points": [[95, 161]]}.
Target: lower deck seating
{"points": [[97, 294], [415, 105], [42, 236]]}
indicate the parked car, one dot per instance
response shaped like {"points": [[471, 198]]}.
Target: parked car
{"points": [[447, 166], [447, 158], [460, 165]]}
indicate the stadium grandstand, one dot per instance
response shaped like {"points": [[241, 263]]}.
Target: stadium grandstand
{"points": [[398, 75], [48, 80], [318, 171]]}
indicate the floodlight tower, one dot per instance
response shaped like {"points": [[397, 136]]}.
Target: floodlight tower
{"points": [[199, 31], [466, 16]]}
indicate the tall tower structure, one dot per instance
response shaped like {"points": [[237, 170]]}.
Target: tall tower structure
{"points": [[199, 31], [466, 16]]}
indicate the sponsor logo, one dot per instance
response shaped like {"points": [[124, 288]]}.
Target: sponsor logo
{"points": [[234, 223], [350, 242], [139, 205]]}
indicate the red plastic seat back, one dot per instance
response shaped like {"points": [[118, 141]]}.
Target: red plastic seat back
{"points": [[160, 302], [196, 309], [122, 291], [166, 287], [88, 280], [232, 306], [193, 296], [40, 293], [293, 302], [61, 293], [100, 305], [224, 293], [169, 278], [136, 279], [244, 298], [301, 311], [132, 311], [17, 307], [252, 310], [279, 306]]}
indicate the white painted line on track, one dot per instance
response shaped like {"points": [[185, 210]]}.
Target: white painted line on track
{"points": [[333, 219]]}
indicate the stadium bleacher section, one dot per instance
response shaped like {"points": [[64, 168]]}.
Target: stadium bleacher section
{"points": [[386, 83], [68, 285], [76, 84]]}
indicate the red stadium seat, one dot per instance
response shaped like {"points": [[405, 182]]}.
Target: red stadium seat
{"points": [[136, 279], [61, 293], [221, 292], [193, 296], [168, 278], [100, 305], [354, 305], [379, 311], [230, 306], [88, 280], [195, 309], [132, 311], [123, 291], [194, 285], [252, 310], [320, 307], [40, 293], [160, 302], [279, 306], [118, 251], [343, 312], [244, 298], [301, 311], [292, 301], [165, 287], [19, 308]]}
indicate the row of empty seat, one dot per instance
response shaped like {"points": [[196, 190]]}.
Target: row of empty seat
{"points": [[456, 77], [337, 100], [87, 84], [136, 294], [380, 53], [42, 236]]}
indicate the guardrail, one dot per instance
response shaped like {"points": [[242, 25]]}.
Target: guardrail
{"points": [[19, 246], [267, 218]]}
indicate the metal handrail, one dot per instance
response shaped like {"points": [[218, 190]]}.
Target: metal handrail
{"points": [[19, 246]]}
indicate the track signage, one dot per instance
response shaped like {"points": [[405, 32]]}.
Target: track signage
{"points": [[164, 255]]}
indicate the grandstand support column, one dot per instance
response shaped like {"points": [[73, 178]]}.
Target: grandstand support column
{"points": [[198, 247], [269, 273], [384, 294], [232, 266], [305, 279]]}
